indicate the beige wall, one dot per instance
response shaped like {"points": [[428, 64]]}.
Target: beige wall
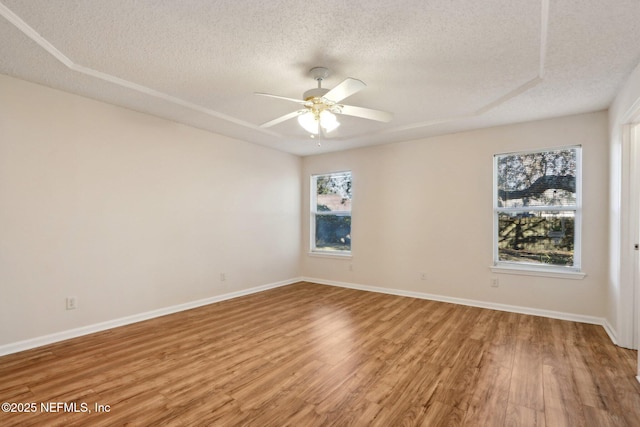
{"points": [[130, 213], [426, 206]]}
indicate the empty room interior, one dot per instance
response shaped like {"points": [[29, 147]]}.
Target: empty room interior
{"points": [[338, 213]]}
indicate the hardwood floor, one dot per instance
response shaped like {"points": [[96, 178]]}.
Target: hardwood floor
{"points": [[313, 355]]}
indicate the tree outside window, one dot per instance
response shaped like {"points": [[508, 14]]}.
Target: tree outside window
{"points": [[537, 208], [331, 213]]}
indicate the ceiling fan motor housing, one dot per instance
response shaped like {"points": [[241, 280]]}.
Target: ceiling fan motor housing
{"points": [[317, 92]]}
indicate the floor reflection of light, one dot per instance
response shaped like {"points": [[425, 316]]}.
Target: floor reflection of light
{"points": [[333, 335]]}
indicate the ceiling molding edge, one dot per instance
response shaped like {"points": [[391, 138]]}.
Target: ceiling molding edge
{"points": [[27, 30]]}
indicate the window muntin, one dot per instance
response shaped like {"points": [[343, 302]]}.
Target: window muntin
{"points": [[537, 206], [331, 213]]}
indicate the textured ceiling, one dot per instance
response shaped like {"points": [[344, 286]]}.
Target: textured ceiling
{"points": [[440, 66]]}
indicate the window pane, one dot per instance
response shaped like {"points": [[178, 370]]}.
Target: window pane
{"points": [[546, 178], [333, 232], [334, 192], [543, 237]]}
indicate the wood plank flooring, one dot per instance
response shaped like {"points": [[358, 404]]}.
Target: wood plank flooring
{"points": [[313, 355]]}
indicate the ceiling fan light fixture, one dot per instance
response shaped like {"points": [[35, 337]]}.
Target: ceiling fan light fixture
{"points": [[326, 119], [308, 123]]}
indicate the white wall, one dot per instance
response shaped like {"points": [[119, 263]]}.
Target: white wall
{"points": [[130, 213], [620, 283], [426, 206]]}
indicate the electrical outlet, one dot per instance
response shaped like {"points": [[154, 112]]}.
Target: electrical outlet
{"points": [[494, 282], [423, 276], [223, 277], [350, 267], [72, 303]]}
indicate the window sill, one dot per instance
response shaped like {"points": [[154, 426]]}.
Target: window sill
{"points": [[540, 272], [328, 254]]}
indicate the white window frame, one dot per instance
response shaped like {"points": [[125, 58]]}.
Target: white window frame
{"points": [[524, 268], [313, 209]]}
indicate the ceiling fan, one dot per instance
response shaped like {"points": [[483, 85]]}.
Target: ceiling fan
{"points": [[321, 105]]}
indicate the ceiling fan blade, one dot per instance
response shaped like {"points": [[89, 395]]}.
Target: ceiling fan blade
{"points": [[282, 118], [365, 113], [345, 89], [299, 101]]}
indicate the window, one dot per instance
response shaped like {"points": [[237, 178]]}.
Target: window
{"points": [[537, 204], [331, 213]]}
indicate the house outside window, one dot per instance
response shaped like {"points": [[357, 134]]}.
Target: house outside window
{"points": [[537, 209], [331, 213]]}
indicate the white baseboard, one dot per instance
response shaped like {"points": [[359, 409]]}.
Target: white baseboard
{"points": [[97, 327], [473, 303], [610, 331]]}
